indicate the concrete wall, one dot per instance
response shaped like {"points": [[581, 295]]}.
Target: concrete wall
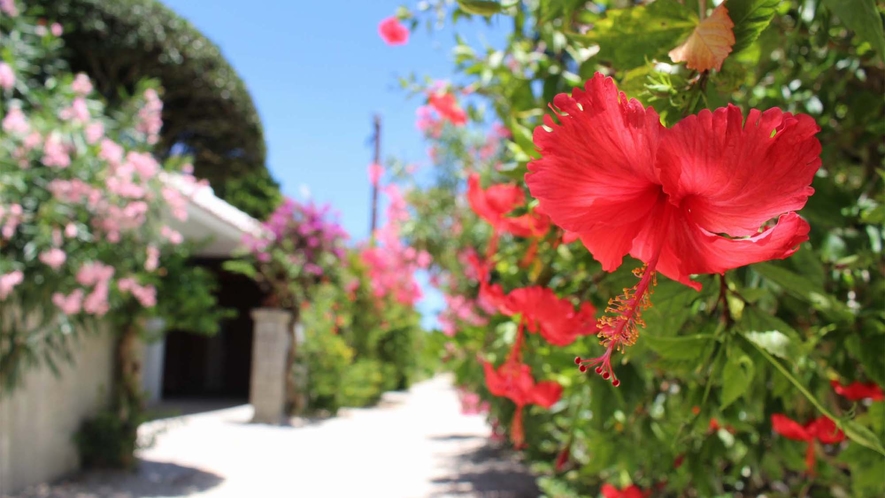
{"points": [[38, 420]]}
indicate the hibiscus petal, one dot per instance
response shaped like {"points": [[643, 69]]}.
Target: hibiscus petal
{"points": [[825, 431], [693, 250], [546, 393], [494, 381], [789, 428], [733, 177], [597, 164]]}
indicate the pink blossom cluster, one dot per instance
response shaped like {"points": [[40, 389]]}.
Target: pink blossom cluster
{"points": [[15, 122], [459, 310], [8, 7], [81, 85], [7, 76], [10, 217], [471, 404], [150, 116], [145, 294], [98, 276], [428, 123], [78, 112], [392, 263], [8, 281]]}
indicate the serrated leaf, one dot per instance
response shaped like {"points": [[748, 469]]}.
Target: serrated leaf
{"points": [[862, 17], [627, 37], [480, 7], [750, 17], [737, 375], [709, 44]]}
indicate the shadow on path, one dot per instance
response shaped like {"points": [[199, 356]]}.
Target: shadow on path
{"points": [[151, 479], [486, 472]]}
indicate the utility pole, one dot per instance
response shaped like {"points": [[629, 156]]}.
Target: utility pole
{"points": [[377, 160]]}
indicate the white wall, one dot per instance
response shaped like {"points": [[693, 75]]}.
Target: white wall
{"points": [[38, 420]]}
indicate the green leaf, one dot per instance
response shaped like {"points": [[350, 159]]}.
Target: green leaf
{"points": [[678, 348], [861, 17], [737, 375], [776, 343], [750, 18], [856, 432], [241, 267], [798, 285], [671, 308], [627, 37], [480, 7], [862, 434]]}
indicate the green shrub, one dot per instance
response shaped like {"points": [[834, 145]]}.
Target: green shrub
{"points": [[361, 384], [106, 441]]}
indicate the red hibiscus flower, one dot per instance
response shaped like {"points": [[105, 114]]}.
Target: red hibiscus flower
{"points": [[513, 380], [632, 491], [610, 172], [544, 312], [494, 203], [857, 391], [445, 104], [822, 429], [392, 32]]}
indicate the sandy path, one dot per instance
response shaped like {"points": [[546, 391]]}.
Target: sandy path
{"points": [[414, 444]]}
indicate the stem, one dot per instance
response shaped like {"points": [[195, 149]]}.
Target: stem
{"points": [[849, 431]]}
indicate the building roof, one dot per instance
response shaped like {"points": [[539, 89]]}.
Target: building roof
{"points": [[210, 218]]}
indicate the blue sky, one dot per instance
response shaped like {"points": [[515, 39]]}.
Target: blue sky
{"points": [[318, 72]]}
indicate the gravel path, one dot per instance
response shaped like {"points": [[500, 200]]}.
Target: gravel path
{"points": [[414, 444]]}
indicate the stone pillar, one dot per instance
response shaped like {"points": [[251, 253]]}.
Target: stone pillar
{"points": [[270, 345]]}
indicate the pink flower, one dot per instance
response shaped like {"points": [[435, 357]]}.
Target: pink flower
{"points": [[70, 230], [8, 281], [94, 132], [13, 217], [32, 140], [16, 122], [96, 303], [171, 235], [78, 112], [392, 32], [150, 119], [375, 172], [146, 295], [94, 273], [55, 152], [111, 152], [153, 258], [56, 29], [8, 7], [7, 76], [70, 304], [81, 84], [176, 202], [53, 258]]}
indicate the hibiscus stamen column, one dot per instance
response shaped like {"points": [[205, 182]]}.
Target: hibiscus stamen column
{"points": [[619, 328]]}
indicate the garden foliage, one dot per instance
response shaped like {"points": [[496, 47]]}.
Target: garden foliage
{"points": [[208, 112], [84, 244], [735, 355]]}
